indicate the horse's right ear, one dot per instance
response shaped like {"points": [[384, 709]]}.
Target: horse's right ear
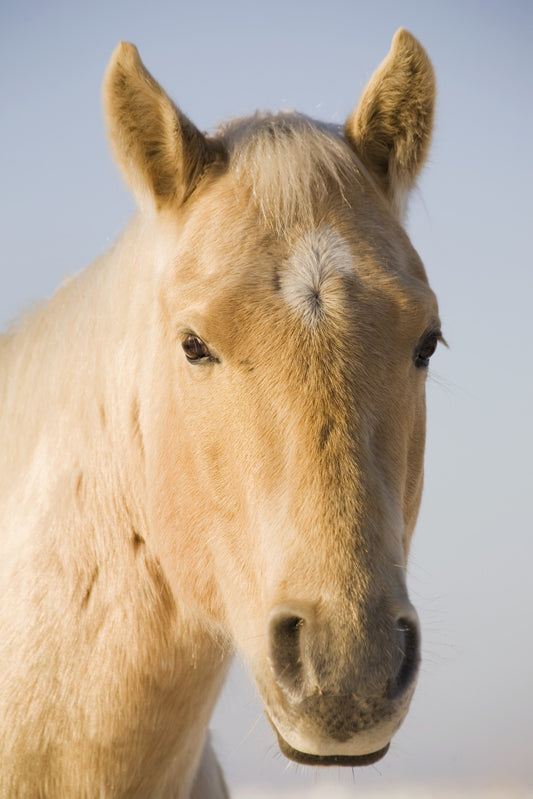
{"points": [[161, 154]]}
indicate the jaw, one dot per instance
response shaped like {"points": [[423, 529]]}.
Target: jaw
{"points": [[361, 749], [307, 759]]}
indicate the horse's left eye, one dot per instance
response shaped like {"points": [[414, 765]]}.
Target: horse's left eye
{"points": [[195, 349], [426, 349]]}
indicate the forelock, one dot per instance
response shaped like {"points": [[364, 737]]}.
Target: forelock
{"points": [[291, 164]]}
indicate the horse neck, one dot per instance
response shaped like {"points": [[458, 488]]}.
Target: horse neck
{"points": [[73, 494], [66, 364], [68, 466]]}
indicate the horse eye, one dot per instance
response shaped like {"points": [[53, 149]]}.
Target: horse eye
{"points": [[426, 349], [195, 349]]}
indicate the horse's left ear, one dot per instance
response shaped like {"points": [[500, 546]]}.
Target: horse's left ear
{"points": [[391, 127], [160, 152]]}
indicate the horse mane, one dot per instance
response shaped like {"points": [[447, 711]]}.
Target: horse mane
{"points": [[292, 164]]}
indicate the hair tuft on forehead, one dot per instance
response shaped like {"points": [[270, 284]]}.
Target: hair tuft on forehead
{"points": [[292, 163]]}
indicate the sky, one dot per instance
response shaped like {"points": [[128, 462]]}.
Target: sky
{"points": [[62, 202]]}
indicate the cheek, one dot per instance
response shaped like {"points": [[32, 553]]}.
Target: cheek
{"points": [[226, 459], [415, 471], [221, 468]]}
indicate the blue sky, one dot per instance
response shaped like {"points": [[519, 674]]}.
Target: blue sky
{"points": [[63, 203]]}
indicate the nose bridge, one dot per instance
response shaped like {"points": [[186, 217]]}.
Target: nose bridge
{"points": [[341, 581], [345, 530]]}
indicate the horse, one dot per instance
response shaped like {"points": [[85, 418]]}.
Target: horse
{"points": [[212, 440]]}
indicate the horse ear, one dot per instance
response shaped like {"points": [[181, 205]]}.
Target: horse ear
{"points": [[391, 127], [161, 154]]}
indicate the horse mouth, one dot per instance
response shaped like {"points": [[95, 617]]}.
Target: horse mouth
{"points": [[305, 759]]}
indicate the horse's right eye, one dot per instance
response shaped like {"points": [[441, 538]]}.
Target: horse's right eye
{"points": [[195, 349]]}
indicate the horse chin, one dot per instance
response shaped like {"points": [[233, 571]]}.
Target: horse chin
{"points": [[330, 758], [306, 759]]}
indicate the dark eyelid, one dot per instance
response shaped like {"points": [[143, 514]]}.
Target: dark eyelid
{"points": [[436, 333], [426, 347]]}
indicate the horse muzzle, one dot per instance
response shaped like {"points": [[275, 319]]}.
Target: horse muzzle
{"points": [[339, 702]]}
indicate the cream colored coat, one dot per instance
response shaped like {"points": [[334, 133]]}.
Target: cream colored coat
{"points": [[213, 438]]}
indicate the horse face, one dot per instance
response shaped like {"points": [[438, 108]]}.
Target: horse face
{"points": [[299, 390], [295, 325]]}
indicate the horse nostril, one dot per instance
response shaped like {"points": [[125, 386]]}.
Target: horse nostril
{"points": [[285, 650], [410, 646]]}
